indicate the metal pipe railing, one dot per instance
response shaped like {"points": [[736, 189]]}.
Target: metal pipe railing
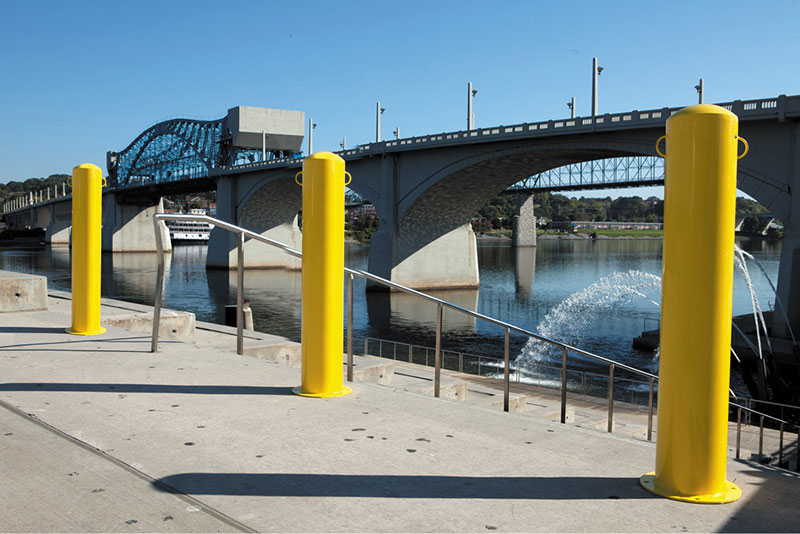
{"points": [[441, 304]]}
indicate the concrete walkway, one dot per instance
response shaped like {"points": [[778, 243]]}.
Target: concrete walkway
{"points": [[99, 434]]}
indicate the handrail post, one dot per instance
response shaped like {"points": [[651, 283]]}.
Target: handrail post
{"points": [[349, 327], [650, 412], [738, 431], [780, 447], [761, 440], [159, 287], [611, 398], [240, 294], [506, 373], [563, 385], [437, 372], [366, 345]]}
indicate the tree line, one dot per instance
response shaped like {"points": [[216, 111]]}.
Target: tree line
{"points": [[15, 189], [499, 211]]}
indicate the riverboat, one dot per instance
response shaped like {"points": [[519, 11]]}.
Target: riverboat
{"points": [[189, 232]]}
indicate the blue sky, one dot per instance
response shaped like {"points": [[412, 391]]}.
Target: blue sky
{"points": [[81, 78]]}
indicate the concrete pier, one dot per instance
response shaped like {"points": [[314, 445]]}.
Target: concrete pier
{"points": [[101, 435], [524, 230]]}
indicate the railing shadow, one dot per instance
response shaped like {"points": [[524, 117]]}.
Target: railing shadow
{"points": [[146, 388], [31, 330], [402, 486]]}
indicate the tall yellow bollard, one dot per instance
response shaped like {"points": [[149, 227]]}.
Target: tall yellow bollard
{"points": [[87, 218], [323, 277], [694, 371]]}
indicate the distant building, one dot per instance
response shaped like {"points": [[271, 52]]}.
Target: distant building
{"points": [[356, 211], [615, 225]]}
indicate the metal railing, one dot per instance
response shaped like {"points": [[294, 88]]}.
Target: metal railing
{"points": [[581, 382], [441, 304]]}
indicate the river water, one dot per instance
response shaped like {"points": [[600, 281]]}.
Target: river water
{"points": [[517, 286]]}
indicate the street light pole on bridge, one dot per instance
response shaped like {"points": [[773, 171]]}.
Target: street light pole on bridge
{"points": [[470, 114], [378, 112], [700, 89], [311, 127], [595, 73]]}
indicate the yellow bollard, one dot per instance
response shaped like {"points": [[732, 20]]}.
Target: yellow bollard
{"points": [[87, 214], [696, 301], [323, 277]]}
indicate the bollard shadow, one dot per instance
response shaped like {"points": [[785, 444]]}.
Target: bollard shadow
{"points": [[31, 330], [19, 347], [402, 486], [146, 388], [768, 504]]}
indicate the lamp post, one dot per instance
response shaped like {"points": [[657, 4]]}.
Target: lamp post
{"points": [[311, 126], [470, 115], [571, 106], [396, 133], [699, 87], [343, 144], [378, 112], [595, 73]]}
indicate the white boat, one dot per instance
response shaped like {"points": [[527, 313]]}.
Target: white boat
{"points": [[195, 232]]}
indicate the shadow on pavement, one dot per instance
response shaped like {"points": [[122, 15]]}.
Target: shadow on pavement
{"points": [[31, 330], [403, 486], [769, 505], [147, 388]]}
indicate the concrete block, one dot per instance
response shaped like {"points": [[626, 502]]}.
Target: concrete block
{"points": [[448, 389], [556, 416], [172, 324], [286, 353], [516, 403], [22, 292], [372, 372]]}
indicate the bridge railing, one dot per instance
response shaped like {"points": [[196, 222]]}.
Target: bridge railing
{"points": [[745, 109], [35, 198], [564, 348]]}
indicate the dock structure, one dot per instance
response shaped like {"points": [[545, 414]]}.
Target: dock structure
{"points": [[100, 434]]}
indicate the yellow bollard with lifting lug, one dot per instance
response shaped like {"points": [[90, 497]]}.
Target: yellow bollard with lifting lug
{"points": [[696, 301], [87, 218], [323, 280]]}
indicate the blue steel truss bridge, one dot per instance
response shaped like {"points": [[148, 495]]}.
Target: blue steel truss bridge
{"points": [[632, 171]]}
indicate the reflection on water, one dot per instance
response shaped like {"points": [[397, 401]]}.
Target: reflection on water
{"points": [[517, 286], [524, 269]]}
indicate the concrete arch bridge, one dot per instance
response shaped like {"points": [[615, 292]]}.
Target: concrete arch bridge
{"points": [[427, 188]]}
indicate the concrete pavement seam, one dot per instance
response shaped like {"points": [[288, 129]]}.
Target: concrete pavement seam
{"points": [[140, 474]]}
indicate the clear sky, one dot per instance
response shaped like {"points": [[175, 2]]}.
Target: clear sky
{"points": [[80, 78]]}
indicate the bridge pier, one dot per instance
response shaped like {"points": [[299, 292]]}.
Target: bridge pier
{"points": [[789, 284], [59, 226], [524, 229], [449, 261], [269, 209], [129, 227]]}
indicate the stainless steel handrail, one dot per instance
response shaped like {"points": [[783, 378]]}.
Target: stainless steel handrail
{"points": [[243, 233]]}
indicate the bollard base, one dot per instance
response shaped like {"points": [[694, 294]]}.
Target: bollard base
{"points": [[731, 493], [100, 330], [340, 393]]}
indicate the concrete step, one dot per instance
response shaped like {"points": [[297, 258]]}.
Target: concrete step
{"points": [[371, 370], [22, 292], [415, 382], [175, 325]]}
